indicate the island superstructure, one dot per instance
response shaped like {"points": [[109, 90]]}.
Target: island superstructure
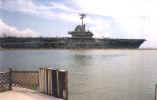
{"points": [[80, 30], [80, 38]]}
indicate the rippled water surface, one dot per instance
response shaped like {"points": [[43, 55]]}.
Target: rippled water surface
{"points": [[94, 74]]}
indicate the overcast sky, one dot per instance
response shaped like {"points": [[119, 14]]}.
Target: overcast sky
{"points": [[105, 18]]}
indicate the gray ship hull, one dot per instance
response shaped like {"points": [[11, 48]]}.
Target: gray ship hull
{"points": [[123, 43], [70, 43], [104, 43]]}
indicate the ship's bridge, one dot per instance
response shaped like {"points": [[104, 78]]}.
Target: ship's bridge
{"points": [[80, 30]]}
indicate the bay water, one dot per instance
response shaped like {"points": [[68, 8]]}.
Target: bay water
{"points": [[94, 74]]}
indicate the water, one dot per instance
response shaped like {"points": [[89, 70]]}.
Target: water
{"points": [[94, 74]]}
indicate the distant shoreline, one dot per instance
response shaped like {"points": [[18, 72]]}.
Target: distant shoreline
{"points": [[75, 49]]}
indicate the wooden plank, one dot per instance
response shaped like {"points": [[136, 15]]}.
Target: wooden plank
{"points": [[63, 84], [54, 83], [45, 81], [40, 80], [155, 92], [57, 81], [49, 82], [65, 89]]}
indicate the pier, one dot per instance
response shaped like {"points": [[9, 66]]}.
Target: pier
{"points": [[25, 94], [32, 85]]}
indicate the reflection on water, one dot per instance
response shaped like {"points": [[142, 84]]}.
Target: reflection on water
{"points": [[94, 74]]}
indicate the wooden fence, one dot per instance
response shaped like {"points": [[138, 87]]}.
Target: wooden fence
{"points": [[25, 79], [54, 82], [5, 81]]}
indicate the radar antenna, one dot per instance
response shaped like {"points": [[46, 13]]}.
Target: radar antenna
{"points": [[82, 16]]}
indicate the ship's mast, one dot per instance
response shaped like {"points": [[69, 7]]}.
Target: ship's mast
{"points": [[82, 16]]}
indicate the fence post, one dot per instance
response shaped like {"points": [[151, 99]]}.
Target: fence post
{"points": [[62, 84], [155, 92], [65, 91], [10, 79]]}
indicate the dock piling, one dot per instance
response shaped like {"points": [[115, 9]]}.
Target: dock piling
{"points": [[54, 82], [10, 79]]}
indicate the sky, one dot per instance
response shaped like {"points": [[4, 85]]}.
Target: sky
{"points": [[105, 18]]}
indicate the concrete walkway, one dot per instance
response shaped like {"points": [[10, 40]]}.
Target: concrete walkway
{"points": [[24, 94]]}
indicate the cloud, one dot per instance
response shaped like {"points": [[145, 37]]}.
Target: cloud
{"points": [[6, 30], [63, 7], [116, 7], [130, 18], [127, 16], [33, 8], [150, 31], [27, 7]]}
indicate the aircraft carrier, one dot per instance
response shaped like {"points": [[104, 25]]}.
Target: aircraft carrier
{"points": [[80, 38]]}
